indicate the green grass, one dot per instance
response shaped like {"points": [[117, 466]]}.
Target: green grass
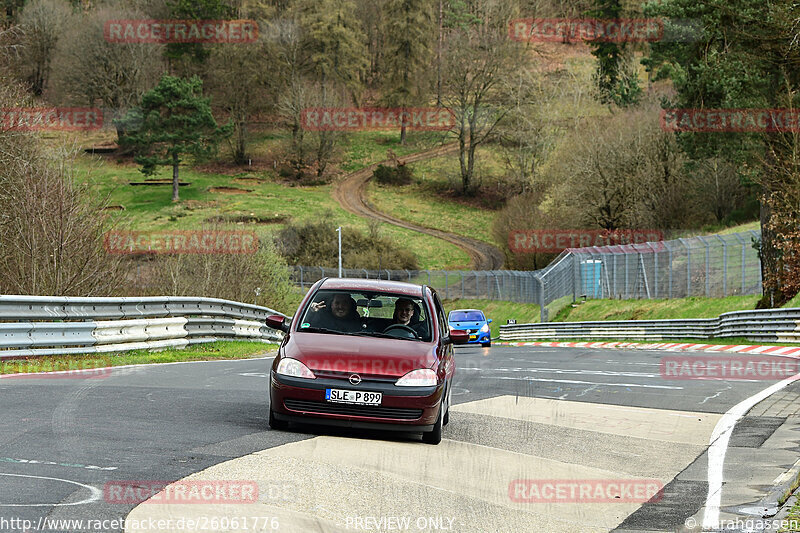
{"points": [[694, 307], [794, 302], [149, 208], [200, 352], [499, 312]]}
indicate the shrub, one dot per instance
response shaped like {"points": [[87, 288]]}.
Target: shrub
{"points": [[397, 175]]}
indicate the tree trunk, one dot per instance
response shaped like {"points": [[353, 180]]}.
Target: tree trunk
{"points": [[769, 255], [439, 56], [175, 182]]}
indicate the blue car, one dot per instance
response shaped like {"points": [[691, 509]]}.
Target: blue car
{"points": [[474, 322]]}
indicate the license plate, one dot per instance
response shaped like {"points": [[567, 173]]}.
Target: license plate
{"points": [[473, 337], [353, 396]]}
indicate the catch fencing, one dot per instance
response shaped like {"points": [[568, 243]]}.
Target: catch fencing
{"points": [[711, 266], [44, 325], [766, 325], [508, 285]]}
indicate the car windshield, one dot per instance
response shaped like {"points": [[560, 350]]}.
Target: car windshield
{"points": [[466, 316], [373, 314]]}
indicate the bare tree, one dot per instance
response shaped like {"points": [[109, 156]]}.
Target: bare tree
{"points": [[89, 70], [478, 57], [51, 228], [42, 23]]}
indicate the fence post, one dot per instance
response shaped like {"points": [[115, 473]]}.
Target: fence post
{"points": [[575, 274], [301, 278], [744, 258], [758, 269], [388, 275], [688, 268], [655, 269], [542, 309], [429, 276], [446, 295], [366, 273], [724, 266], [708, 265], [462, 283]]}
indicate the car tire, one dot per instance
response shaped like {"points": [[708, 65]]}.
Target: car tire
{"points": [[487, 344], [435, 435], [276, 424]]}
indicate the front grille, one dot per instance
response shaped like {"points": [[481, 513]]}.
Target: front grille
{"points": [[345, 376], [328, 408]]}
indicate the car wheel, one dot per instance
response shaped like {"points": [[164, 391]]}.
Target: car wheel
{"points": [[487, 344], [435, 435], [274, 423]]}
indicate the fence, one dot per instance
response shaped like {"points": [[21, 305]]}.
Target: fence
{"points": [[509, 285], [711, 266], [767, 325], [43, 325]]}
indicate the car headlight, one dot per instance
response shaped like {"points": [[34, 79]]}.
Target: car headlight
{"points": [[422, 377], [485, 328], [294, 368]]}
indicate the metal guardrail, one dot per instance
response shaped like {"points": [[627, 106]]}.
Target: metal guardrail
{"points": [[768, 325], [43, 325]]}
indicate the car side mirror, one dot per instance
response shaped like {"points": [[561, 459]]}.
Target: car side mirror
{"points": [[279, 322], [459, 336], [489, 321]]}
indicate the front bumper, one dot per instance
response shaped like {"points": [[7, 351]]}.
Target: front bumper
{"points": [[481, 338], [401, 409]]}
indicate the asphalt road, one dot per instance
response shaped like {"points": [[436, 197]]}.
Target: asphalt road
{"points": [[557, 411]]}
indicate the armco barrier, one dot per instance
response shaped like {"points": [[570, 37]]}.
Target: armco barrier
{"points": [[43, 325], [767, 325]]}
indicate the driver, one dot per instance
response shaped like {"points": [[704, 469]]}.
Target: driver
{"points": [[404, 314]]}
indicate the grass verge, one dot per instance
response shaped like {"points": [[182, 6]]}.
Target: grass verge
{"points": [[200, 352], [695, 307]]}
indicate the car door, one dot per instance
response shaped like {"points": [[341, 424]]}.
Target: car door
{"points": [[444, 348]]}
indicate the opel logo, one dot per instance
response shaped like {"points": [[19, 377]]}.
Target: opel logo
{"points": [[355, 379]]}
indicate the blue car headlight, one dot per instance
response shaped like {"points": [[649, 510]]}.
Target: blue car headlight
{"points": [[485, 328]]}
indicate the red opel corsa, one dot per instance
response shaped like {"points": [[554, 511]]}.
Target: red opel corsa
{"points": [[365, 354]]}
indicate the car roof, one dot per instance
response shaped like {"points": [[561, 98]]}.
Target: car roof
{"points": [[455, 310], [378, 285]]}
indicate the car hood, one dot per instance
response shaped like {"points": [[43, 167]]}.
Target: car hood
{"points": [[466, 325], [328, 354]]}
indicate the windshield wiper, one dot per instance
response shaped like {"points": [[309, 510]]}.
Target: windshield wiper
{"points": [[379, 334], [322, 330]]}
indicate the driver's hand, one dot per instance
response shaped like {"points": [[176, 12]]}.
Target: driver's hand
{"points": [[316, 306]]}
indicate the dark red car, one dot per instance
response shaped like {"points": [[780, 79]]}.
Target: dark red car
{"points": [[367, 354]]}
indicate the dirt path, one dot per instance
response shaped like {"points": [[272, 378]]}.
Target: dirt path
{"points": [[351, 193]]}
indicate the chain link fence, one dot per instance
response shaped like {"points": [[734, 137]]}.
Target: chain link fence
{"points": [[711, 266], [508, 285]]}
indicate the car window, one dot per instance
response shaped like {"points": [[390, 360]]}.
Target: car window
{"points": [[443, 328], [466, 316], [363, 313]]}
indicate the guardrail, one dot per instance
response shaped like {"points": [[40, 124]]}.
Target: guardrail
{"points": [[767, 325], [43, 325]]}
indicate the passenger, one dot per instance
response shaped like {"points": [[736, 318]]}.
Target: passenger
{"points": [[341, 316]]}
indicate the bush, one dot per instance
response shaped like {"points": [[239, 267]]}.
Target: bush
{"points": [[261, 277], [397, 175], [316, 244]]}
